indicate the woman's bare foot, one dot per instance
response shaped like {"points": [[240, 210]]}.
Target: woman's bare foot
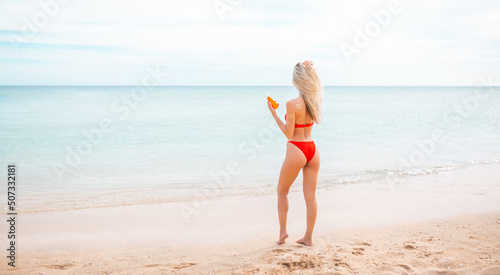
{"points": [[305, 241], [282, 238]]}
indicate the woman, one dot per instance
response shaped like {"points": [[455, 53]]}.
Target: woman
{"points": [[301, 152]]}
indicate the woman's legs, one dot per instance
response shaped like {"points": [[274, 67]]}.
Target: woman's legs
{"points": [[294, 161], [310, 173]]}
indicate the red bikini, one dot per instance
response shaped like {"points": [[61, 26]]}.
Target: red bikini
{"points": [[307, 147], [302, 125]]}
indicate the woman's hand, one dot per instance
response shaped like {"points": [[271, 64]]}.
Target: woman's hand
{"points": [[273, 111]]}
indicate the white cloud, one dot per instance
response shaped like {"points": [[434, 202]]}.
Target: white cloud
{"points": [[256, 44]]}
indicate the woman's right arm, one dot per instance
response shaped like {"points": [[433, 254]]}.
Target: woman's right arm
{"points": [[287, 128]]}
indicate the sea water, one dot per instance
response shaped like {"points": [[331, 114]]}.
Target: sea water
{"points": [[81, 147]]}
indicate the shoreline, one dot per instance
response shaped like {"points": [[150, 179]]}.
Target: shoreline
{"points": [[128, 196], [244, 218]]}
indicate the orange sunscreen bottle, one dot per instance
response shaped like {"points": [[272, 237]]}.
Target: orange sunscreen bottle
{"points": [[273, 103]]}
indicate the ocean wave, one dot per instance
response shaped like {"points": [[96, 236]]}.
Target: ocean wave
{"points": [[401, 173], [197, 193]]}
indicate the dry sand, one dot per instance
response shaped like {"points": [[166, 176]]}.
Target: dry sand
{"points": [[465, 244]]}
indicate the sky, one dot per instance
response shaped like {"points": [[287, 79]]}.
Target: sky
{"points": [[242, 42]]}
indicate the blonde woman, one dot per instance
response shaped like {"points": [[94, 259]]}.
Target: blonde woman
{"points": [[301, 152]]}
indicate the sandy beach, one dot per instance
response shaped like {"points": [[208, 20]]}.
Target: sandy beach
{"points": [[466, 244], [360, 230]]}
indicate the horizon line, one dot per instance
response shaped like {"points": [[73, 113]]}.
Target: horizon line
{"points": [[164, 86]]}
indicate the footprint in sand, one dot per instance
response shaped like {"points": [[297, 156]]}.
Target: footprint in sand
{"points": [[182, 265], [60, 266], [409, 247], [406, 268], [363, 243], [343, 264], [357, 251], [271, 255], [304, 261], [280, 251], [413, 246]]}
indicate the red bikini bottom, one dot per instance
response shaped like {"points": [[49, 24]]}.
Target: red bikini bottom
{"points": [[307, 147]]}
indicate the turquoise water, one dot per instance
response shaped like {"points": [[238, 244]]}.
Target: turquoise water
{"points": [[78, 147]]}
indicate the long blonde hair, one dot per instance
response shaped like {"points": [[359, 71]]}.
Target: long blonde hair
{"points": [[307, 82]]}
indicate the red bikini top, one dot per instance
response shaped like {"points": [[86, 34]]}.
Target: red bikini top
{"points": [[302, 125]]}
